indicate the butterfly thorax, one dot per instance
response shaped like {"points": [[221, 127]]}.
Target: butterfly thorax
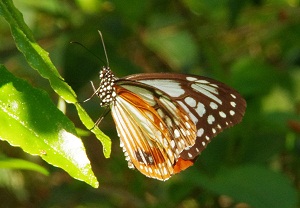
{"points": [[106, 91]]}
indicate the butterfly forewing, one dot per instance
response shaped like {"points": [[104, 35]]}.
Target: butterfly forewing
{"points": [[165, 120]]}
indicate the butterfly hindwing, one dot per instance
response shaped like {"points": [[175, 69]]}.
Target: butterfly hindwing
{"points": [[152, 128]]}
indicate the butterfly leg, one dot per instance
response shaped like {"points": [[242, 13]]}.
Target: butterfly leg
{"points": [[95, 92]]}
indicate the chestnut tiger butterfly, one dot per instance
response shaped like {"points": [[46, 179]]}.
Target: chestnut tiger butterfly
{"points": [[165, 120]]}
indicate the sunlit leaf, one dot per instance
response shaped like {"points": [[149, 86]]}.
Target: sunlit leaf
{"points": [[29, 119]]}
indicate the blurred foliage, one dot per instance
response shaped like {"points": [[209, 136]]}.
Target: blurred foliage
{"points": [[253, 46]]}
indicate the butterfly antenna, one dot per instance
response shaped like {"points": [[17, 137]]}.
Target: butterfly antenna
{"points": [[80, 44], [103, 47]]}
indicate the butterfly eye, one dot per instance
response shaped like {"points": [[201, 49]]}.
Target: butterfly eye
{"points": [[166, 120]]}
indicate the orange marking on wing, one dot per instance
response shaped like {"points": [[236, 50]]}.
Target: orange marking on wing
{"points": [[134, 99], [182, 164]]}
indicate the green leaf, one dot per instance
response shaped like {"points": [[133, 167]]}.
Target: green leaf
{"points": [[35, 55], [30, 120], [39, 60], [253, 77], [11, 163], [176, 47], [255, 185], [258, 186], [90, 124]]}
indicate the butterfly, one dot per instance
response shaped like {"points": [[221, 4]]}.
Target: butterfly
{"points": [[165, 120]]}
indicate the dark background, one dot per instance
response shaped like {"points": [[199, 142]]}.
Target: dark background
{"points": [[251, 45]]}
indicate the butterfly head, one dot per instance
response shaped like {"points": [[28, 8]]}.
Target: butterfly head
{"points": [[106, 91]]}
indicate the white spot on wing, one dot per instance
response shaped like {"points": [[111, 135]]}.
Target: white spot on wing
{"points": [[213, 130], [169, 122], [214, 85], [200, 109], [222, 114], [168, 86], [172, 144], [187, 125], [165, 171], [207, 91], [188, 133], [160, 112], [202, 81], [213, 105], [210, 119], [121, 144], [191, 79], [176, 133], [200, 132], [190, 101], [183, 106], [194, 119]]}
